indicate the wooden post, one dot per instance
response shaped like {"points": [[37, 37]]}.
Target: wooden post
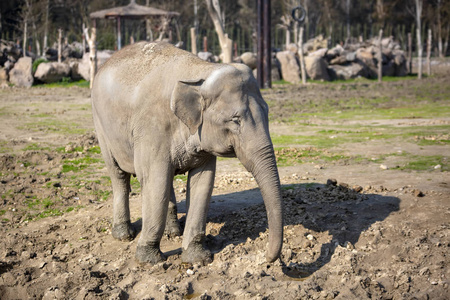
{"points": [[92, 53], [193, 40], [419, 54], [429, 53], [59, 44], [409, 60], [380, 57], [205, 44], [300, 54]]}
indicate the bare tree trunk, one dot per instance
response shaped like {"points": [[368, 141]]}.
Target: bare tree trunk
{"points": [[300, 54], [226, 44], [380, 57], [47, 9], [419, 4], [439, 29], [59, 44], [429, 53], [288, 37], [347, 12], [445, 47], [25, 29], [409, 62], [92, 53], [83, 38], [194, 40]]}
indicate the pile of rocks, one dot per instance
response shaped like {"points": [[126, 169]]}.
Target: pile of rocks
{"points": [[18, 70], [355, 59]]}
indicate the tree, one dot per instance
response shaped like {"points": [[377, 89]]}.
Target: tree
{"points": [[417, 12], [219, 24]]}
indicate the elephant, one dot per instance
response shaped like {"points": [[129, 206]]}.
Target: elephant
{"points": [[160, 111]]}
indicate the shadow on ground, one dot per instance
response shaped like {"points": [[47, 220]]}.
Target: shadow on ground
{"points": [[341, 211]]}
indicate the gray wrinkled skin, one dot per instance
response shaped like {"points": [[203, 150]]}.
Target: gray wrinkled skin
{"points": [[160, 111]]}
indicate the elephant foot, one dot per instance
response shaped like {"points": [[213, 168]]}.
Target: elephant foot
{"points": [[196, 253], [123, 231], [149, 253], [172, 229]]}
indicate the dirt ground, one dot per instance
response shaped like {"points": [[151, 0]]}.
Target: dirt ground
{"points": [[354, 229]]}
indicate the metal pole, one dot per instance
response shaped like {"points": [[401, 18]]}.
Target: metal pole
{"points": [[118, 34], [267, 46], [260, 44]]}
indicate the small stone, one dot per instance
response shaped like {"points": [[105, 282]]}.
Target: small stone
{"points": [[436, 167], [310, 237], [183, 190], [332, 181], [190, 272], [357, 188], [384, 167], [418, 193], [424, 271]]}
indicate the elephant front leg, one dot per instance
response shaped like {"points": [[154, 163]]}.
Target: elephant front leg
{"points": [[156, 192], [199, 190]]}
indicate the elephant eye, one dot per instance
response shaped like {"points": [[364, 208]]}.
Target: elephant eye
{"points": [[236, 119]]}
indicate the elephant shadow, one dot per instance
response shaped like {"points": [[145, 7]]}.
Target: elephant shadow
{"points": [[337, 209]]}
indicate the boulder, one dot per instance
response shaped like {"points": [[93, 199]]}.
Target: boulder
{"points": [[249, 59], [348, 71], [22, 73], [3, 75], [339, 60], [84, 68], [52, 72], [208, 56], [400, 63], [290, 69], [316, 68], [292, 47], [319, 53], [74, 72]]}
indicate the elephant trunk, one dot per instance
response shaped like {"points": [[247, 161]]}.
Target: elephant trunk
{"points": [[262, 164]]}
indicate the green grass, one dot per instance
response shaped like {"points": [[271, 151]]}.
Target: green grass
{"points": [[35, 147], [66, 83], [426, 163], [52, 125], [77, 165], [295, 156]]}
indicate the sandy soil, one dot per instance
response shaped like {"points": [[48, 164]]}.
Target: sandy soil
{"points": [[352, 230]]}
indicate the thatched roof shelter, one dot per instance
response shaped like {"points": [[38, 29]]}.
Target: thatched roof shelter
{"points": [[130, 11]]}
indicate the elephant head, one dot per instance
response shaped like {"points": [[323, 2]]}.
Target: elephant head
{"points": [[229, 115]]}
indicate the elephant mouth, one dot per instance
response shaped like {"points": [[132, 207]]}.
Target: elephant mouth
{"points": [[229, 152]]}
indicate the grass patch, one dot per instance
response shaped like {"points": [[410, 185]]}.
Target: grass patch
{"points": [[182, 177], [295, 156], [65, 83], [77, 165], [52, 125], [35, 147], [426, 163]]}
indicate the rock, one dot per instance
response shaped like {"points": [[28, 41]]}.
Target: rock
{"points": [[290, 69], [250, 60], [319, 53], [339, 60], [351, 56], [384, 167], [276, 70], [52, 72], [205, 56], [292, 47], [316, 68], [399, 60], [418, 193], [74, 72], [84, 67], [3, 76], [332, 181], [348, 71], [22, 73]]}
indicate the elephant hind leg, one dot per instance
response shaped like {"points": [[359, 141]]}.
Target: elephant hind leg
{"points": [[122, 228], [172, 225]]}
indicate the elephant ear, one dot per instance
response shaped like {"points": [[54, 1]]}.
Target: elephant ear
{"points": [[187, 103]]}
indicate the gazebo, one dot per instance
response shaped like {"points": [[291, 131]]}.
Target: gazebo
{"points": [[130, 11]]}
